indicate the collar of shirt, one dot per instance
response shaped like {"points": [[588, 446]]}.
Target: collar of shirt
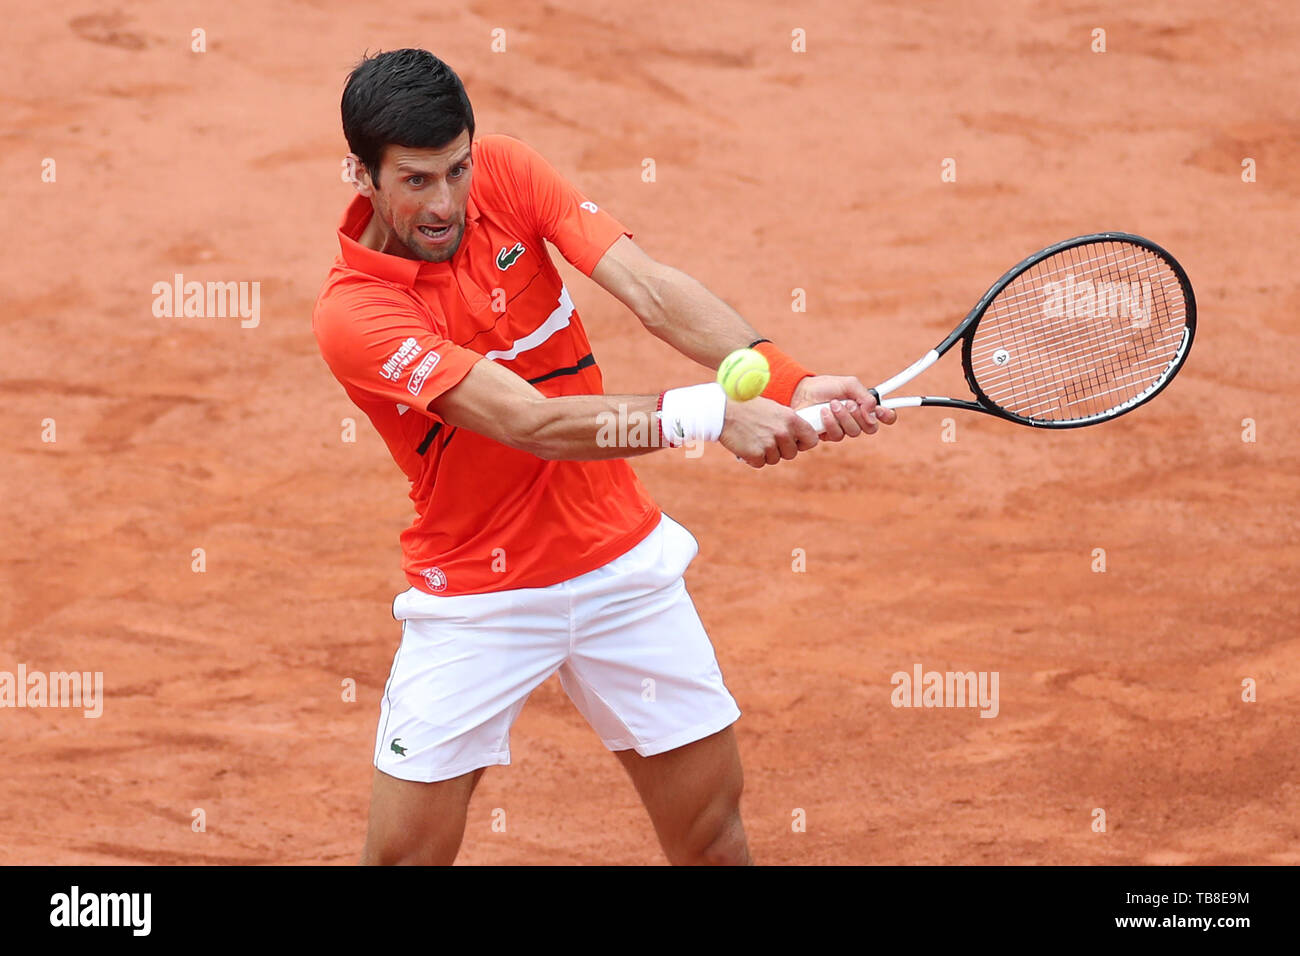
{"points": [[381, 265]]}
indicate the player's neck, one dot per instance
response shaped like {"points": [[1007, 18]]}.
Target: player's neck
{"points": [[380, 238]]}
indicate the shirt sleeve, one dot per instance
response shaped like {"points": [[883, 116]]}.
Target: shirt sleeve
{"points": [[376, 342], [580, 229]]}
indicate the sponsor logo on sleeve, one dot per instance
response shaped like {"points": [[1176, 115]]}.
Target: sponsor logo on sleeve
{"points": [[396, 364], [589, 206], [421, 372]]}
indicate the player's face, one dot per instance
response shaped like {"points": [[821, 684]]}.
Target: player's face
{"points": [[421, 199]]}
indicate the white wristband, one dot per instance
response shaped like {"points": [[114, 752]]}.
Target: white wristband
{"points": [[694, 413]]}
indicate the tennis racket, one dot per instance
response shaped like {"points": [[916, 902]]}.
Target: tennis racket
{"points": [[1079, 333]]}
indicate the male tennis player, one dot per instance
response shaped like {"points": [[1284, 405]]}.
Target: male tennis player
{"points": [[534, 547]]}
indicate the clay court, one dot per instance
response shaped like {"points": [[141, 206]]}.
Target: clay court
{"points": [[776, 170]]}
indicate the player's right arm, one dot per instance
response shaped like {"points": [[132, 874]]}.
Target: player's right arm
{"points": [[497, 403], [375, 343]]}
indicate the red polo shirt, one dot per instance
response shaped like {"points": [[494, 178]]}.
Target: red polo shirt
{"points": [[397, 333]]}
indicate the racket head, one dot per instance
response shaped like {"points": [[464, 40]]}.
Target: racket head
{"points": [[1081, 332]]}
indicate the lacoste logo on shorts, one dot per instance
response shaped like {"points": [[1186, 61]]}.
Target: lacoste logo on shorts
{"points": [[422, 372], [506, 257], [397, 362], [397, 748], [434, 577]]}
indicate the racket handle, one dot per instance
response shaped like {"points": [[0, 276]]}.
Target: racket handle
{"points": [[813, 413]]}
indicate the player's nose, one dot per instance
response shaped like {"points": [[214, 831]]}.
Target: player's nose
{"points": [[441, 205]]}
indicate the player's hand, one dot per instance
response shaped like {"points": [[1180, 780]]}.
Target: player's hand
{"points": [[853, 410], [762, 432]]}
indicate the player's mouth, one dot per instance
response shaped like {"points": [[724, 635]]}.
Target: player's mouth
{"points": [[438, 234]]}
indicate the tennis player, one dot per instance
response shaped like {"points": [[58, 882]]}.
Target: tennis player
{"points": [[534, 547]]}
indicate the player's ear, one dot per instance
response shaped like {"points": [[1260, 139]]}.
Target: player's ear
{"points": [[359, 175]]}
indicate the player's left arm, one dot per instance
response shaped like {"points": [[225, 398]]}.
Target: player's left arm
{"points": [[678, 309], [671, 304]]}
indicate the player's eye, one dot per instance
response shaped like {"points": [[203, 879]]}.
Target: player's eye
{"points": [[416, 181], [458, 171]]}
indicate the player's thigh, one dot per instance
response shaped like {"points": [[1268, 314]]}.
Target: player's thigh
{"points": [[460, 677], [692, 793], [416, 822], [642, 669]]}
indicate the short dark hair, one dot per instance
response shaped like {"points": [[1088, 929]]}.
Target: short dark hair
{"points": [[403, 98]]}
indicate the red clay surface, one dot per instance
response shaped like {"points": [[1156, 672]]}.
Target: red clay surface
{"points": [[775, 171]]}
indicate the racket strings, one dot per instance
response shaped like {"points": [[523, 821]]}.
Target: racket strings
{"points": [[1082, 333]]}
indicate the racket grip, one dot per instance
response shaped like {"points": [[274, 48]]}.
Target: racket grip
{"points": [[813, 413]]}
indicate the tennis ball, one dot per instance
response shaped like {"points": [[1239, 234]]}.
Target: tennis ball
{"points": [[744, 374]]}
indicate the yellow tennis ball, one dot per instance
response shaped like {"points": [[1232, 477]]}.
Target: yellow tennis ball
{"points": [[744, 374]]}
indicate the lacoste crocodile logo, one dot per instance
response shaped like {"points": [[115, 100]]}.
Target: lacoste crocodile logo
{"points": [[506, 257], [396, 748]]}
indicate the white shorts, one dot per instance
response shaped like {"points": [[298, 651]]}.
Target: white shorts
{"points": [[630, 649]]}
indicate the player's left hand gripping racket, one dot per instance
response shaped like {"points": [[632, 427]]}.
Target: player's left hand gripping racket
{"points": [[1077, 334]]}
